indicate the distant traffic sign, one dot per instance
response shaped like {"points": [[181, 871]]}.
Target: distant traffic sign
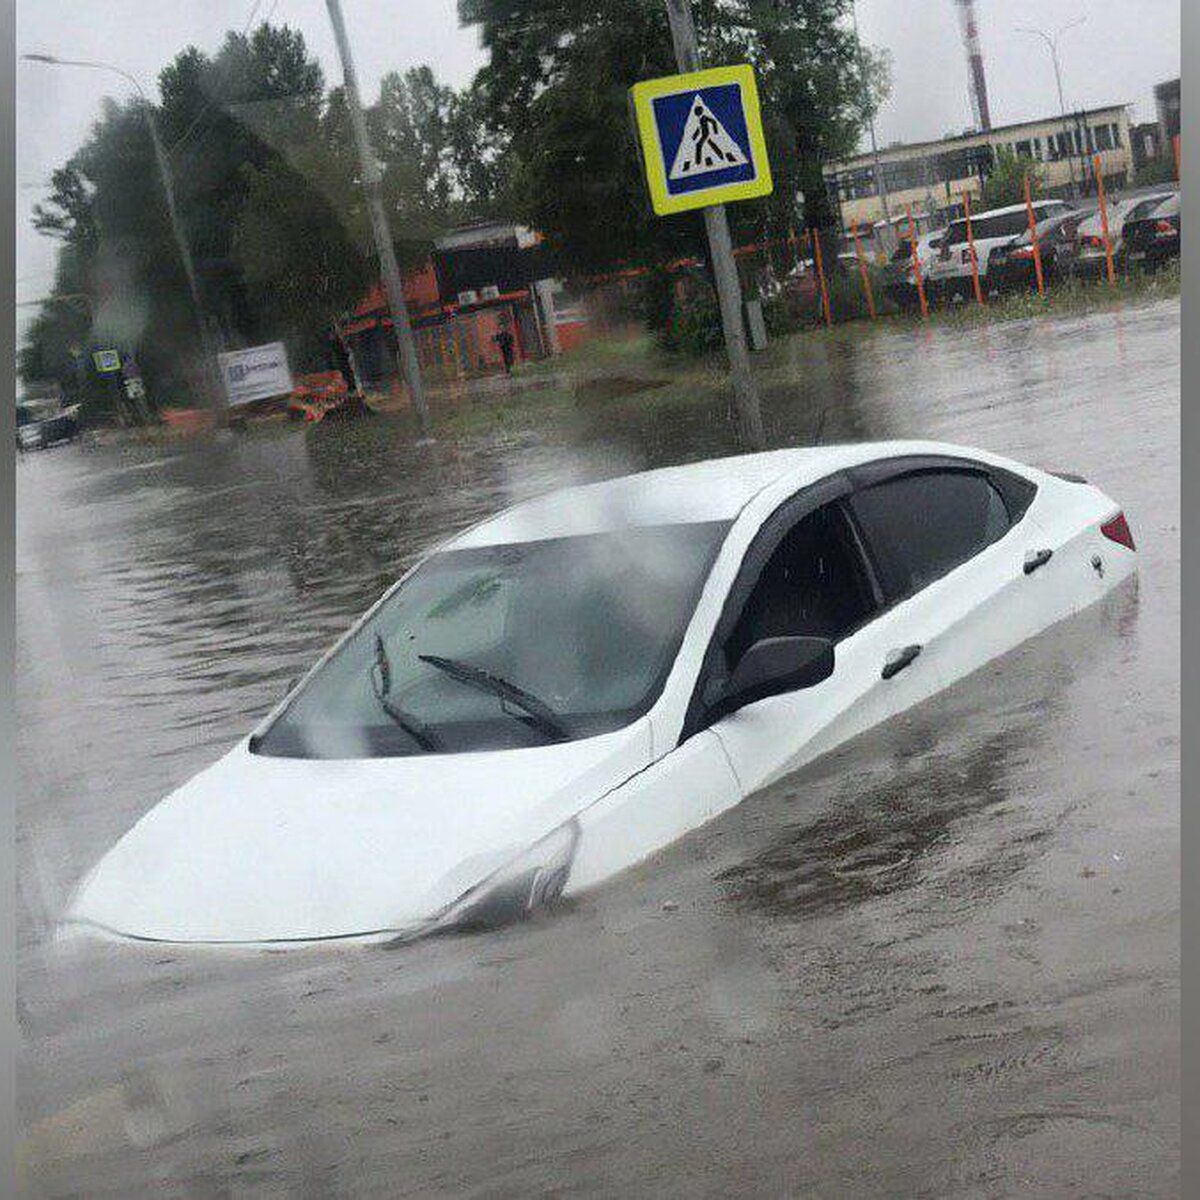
{"points": [[106, 361], [702, 139]]}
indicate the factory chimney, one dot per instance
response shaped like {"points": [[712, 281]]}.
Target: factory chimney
{"points": [[970, 35]]}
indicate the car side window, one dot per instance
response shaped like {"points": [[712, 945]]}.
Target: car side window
{"points": [[920, 526], [814, 584], [956, 235]]}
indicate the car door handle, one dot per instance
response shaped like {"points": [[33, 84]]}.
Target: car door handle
{"points": [[897, 660], [1035, 559]]}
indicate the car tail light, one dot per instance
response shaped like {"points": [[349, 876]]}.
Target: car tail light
{"points": [[1096, 243], [1117, 530], [1164, 228]]}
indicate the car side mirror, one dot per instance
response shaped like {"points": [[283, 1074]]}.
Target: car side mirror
{"points": [[776, 665]]}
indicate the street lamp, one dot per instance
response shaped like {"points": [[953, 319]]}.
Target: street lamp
{"points": [[168, 186], [1052, 42], [880, 187]]}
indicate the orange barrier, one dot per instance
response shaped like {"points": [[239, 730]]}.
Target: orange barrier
{"points": [[1112, 278], [916, 262], [1033, 237], [314, 395], [188, 420], [815, 239], [971, 243], [862, 270]]}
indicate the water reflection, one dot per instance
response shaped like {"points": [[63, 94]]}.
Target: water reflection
{"points": [[899, 810]]}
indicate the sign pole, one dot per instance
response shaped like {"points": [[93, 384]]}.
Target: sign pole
{"points": [[814, 238], [379, 223], [862, 270], [916, 263], [1033, 237], [971, 243], [720, 247]]}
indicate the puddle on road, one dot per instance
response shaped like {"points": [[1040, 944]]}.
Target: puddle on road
{"points": [[608, 387]]}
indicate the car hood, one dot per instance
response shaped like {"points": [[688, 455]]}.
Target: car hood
{"points": [[259, 849]]}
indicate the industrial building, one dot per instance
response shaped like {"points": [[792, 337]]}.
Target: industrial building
{"points": [[931, 176]]}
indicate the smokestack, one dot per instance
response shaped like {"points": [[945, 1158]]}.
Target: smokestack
{"points": [[970, 36]]}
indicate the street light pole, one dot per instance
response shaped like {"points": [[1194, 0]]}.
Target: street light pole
{"points": [[379, 223], [168, 186], [880, 188], [1052, 42]]}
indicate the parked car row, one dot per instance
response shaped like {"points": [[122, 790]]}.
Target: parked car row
{"points": [[1142, 231]]}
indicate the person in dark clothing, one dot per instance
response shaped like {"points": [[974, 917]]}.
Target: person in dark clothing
{"points": [[504, 340]]}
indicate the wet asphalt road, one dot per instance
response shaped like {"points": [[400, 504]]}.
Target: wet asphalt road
{"points": [[942, 961]]}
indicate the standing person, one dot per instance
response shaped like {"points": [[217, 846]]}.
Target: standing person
{"points": [[504, 340]]}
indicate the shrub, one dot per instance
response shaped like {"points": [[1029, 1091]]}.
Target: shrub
{"points": [[696, 325], [1006, 183]]}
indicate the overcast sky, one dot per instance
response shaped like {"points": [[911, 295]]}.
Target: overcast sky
{"points": [[1123, 49]]}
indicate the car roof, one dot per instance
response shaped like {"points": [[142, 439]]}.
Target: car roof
{"points": [[1009, 209], [713, 490]]}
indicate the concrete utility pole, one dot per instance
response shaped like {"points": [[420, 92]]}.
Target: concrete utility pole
{"points": [[168, 185], [1052, 42], [388, 267], [720, 248]]}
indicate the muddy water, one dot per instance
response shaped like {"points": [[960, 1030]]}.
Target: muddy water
{"points": [[942, 961]]}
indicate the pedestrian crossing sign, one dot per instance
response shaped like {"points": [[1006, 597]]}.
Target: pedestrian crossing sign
{"points": [[702, 139]]}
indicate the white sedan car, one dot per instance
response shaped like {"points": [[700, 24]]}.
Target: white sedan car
{"points": [[567, 687]]}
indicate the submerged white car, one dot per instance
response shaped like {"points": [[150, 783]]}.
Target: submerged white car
{"points": [[567, 687]]}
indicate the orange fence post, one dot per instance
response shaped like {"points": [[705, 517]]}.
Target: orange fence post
{"points": [[1175, 144], [816, 240], [971, 244], [1037, 250], [916, 262], [862, 270], [1112, 279]]}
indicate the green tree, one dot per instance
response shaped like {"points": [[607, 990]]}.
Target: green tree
{"points": [[258, 100], [301, 241], [1005, 183], [479, 152], [556, 86]]}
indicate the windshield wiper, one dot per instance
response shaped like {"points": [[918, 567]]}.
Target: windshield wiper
{"points": [[542, 715], [415, 728]]}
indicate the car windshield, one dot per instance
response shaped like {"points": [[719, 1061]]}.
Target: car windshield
{"points": [[506, 646]]}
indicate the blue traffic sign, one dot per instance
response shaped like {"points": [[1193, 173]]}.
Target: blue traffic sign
{"points": [[701, 137]]}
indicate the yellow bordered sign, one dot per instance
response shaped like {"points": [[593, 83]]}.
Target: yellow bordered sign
{"points": [[702, 138]]}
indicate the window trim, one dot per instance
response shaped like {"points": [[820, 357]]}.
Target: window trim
{"points": [[829, 490]]}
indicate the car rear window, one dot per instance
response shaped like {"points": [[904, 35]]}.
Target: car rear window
{"points": [[1004, 225], [920, 526]]}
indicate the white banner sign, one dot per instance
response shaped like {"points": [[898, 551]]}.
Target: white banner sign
{"points": [[255, 373]]}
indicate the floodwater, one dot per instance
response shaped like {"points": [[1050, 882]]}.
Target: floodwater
{"points": [[942, 961]]}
